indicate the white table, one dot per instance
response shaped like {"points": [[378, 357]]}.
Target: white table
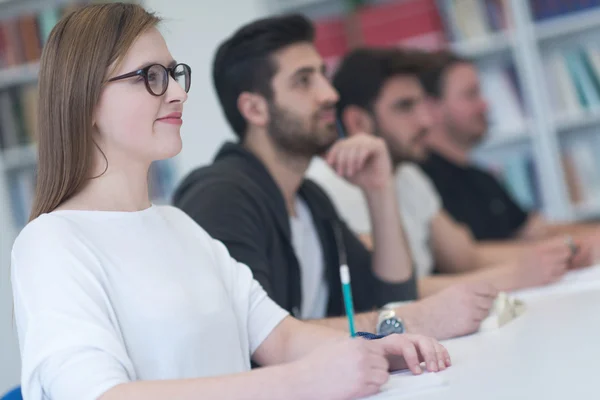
{"points": [[552, 351]]}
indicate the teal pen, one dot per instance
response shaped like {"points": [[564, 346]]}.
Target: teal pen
{"points": [[345, 278]]}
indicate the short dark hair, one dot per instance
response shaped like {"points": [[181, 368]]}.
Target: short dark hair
{"points": [[434, 70], [244, 63], [363, 72]]}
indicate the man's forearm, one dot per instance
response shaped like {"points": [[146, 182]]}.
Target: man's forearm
{"points": [[391, 255], [499, 275], [363, 322], [492, 253], [411, 315]]}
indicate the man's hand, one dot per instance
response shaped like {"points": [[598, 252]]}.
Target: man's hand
{"points": [[455, 311], [363, 160], [544, 263], [356, 368]]}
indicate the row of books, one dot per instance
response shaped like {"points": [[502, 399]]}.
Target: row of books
{"points": [[21, 188], [581, 170], [22, 38], [546, 9], [468, 19], [18, 116], [412, 23], [573, 77]]}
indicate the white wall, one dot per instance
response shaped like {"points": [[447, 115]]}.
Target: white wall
{"points": [[193, 29]]}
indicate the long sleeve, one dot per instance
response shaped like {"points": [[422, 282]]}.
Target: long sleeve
{"points": [[70, 344]]}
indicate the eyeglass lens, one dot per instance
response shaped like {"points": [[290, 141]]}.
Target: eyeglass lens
{"points": [[158, 78]]}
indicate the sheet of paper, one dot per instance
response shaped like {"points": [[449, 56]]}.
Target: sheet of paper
{"points": [[403, 384], [586, 278]]}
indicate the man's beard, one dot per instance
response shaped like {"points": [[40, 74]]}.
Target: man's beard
{"points": [[397, 151], [290, 135]]}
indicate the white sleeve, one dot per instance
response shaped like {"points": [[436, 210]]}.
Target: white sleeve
{"points": [[348, 199], [416, 187], [259, 313], [68, 335]]}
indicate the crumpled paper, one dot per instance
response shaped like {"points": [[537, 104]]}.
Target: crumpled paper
{"points": [[505, 309]]}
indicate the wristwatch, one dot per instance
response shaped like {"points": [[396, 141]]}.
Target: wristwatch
{"points": [[389, 323]]}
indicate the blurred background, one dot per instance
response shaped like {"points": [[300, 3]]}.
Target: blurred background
{"points": [[539, 63]]}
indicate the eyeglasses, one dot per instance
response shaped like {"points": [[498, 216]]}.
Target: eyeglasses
{"points": [[156, 77]]}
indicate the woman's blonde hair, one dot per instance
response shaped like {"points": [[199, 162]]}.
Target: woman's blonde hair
{"points": [[74, 65]]}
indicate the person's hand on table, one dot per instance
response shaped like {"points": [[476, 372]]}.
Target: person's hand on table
{"points": [[545, 263], [356, 368], [455, 311]]}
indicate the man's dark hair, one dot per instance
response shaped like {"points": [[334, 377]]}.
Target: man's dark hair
{"points": [[434, 70], [363, 72], [244, 62]]}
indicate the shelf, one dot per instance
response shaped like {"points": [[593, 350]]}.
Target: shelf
{"points": [[19, 157], [565, 123], [483, 46], [574, 23], [19, 75]]}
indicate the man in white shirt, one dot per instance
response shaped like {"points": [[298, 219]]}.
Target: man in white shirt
{"points": [[380, 92]]}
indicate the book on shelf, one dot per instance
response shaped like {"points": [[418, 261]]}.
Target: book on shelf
{"points": [[546, 9], [472, 19], [18, 116], [573, 78], [582, 172], [408, 23]]}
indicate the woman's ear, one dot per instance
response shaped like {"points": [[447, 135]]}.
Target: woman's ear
{"points": [[254, 109], [356, 120]]}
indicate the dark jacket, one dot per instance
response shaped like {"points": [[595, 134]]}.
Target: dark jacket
{"points": [[237, 202]]}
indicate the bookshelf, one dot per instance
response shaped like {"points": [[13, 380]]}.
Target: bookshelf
{"points": [[550, 46]]}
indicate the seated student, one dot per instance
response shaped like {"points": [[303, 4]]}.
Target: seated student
{"points": [[380, 92], [255, 199], [116, 298], [471, 195]]}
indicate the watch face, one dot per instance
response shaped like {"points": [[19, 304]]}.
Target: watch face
{"points": [[390, 326]]}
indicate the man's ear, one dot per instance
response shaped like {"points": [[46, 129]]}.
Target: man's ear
{"points": [[357, 120], [254, 109]]}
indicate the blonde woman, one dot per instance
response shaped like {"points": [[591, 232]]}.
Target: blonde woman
{"points": [[116, 298]]}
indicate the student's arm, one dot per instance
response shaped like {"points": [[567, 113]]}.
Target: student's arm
{"points": [[314, 363], [538, 228], [452, 244], [364, 161], [539, 265]]}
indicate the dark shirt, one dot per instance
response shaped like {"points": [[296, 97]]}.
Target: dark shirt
{"points": [[238, 203], [475, 198]]}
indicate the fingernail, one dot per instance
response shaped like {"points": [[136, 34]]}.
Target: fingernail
{"points": [[418, 369], [441, 364], [448, 362], [432, 367]]}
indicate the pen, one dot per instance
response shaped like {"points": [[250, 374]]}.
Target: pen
{"points": [[345, 278]]}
